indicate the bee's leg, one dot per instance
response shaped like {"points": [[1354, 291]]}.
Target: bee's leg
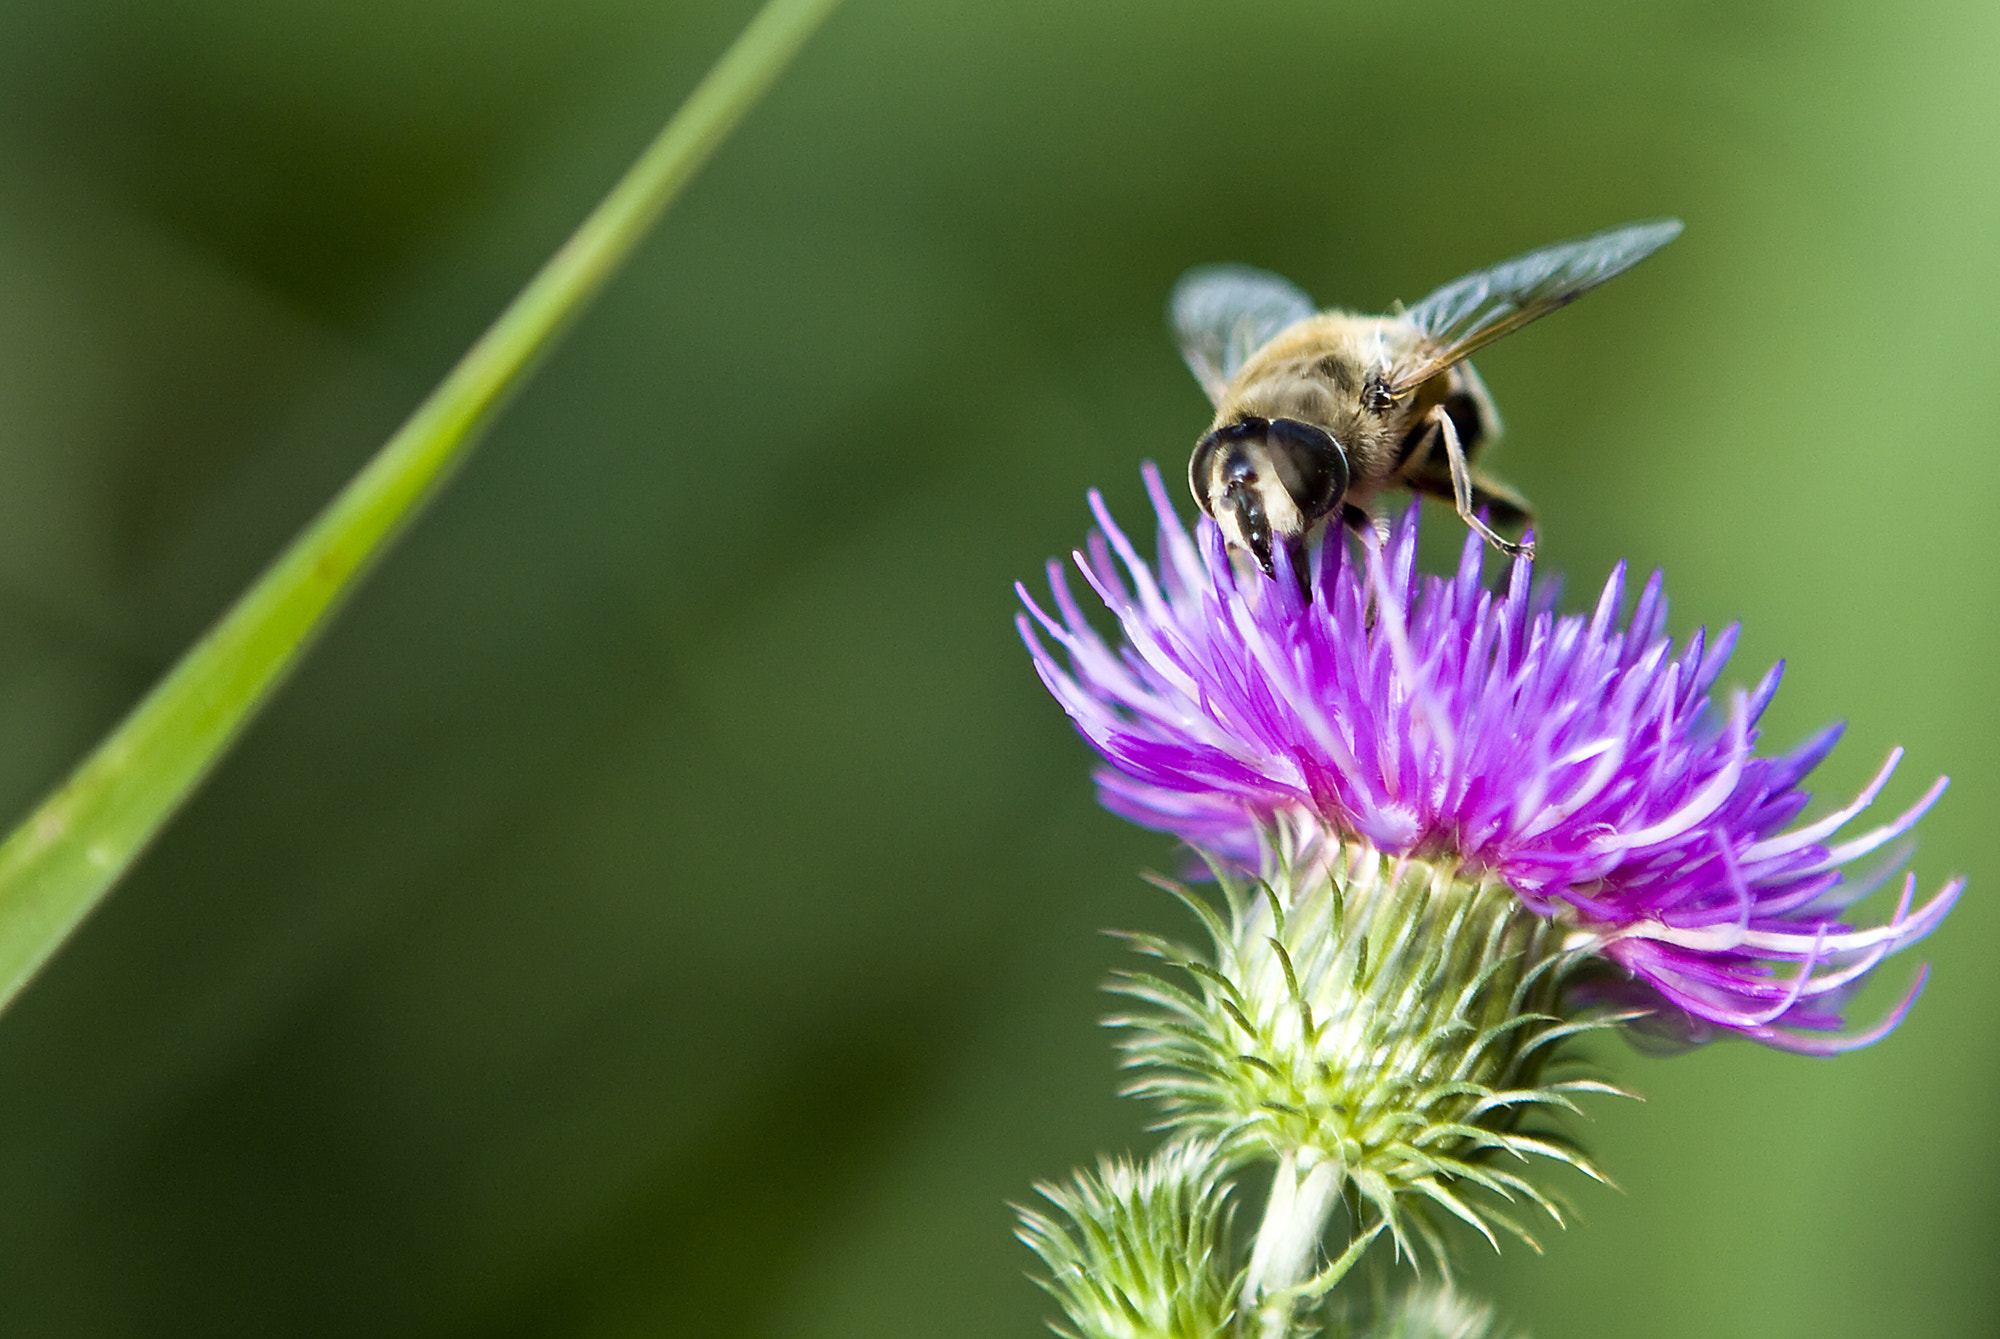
{"points": [[1301, 558], [1499, 501], [1462, 490]]}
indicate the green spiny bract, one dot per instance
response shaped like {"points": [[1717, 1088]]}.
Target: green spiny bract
{"points": [[1144, 1253], [1394, 1018]]}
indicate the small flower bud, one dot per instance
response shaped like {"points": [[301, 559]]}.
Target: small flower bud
{"points": [[1144, 1252]]}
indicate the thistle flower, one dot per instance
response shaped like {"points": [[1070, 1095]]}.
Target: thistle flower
{"points": [[1577, 759]]}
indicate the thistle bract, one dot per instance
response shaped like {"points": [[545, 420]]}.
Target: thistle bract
{"points": [[1580, 760], [1138, 1251], [1384, 1017]]}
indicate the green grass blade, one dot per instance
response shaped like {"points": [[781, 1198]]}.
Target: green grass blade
{"points": [[66, 855]]}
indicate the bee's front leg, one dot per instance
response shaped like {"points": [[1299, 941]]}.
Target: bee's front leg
{"points": [[1461, 489]]}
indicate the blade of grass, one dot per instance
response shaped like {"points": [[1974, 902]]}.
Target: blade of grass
{"points": [[66, 855]]}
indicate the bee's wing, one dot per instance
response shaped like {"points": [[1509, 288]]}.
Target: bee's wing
{"points": [[1474, 311], [1222, 314]]}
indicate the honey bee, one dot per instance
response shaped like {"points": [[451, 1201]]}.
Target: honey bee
{"points": [[1319, 411]]}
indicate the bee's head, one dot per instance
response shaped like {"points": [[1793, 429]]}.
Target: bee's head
{"points": [[1266, 481]]}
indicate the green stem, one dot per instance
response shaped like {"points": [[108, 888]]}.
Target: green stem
{"points": [[1288, 1242], [66, 855]]}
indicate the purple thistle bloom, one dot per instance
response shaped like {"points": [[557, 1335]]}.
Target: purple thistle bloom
{"points": [[1578, 759]]}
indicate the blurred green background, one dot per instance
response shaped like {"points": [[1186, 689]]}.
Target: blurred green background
{"points": [[667, 903]]}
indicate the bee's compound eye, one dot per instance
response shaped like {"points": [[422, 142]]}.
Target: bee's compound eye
{"points": [[1201, 469], [1310, 465]]}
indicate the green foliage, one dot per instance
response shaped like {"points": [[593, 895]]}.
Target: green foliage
{"points": [[67, 854]]}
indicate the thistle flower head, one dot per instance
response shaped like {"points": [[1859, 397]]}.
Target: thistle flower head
{"points": [[1579, 759]]}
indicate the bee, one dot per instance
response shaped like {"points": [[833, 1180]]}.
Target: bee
{"points": [[1316, 412]]}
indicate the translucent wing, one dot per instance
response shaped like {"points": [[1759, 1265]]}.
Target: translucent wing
{"points": [[1478, 309], [1222, 314]]}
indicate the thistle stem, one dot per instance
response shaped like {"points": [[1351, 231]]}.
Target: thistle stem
{"points": [[1288, 1242]]}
